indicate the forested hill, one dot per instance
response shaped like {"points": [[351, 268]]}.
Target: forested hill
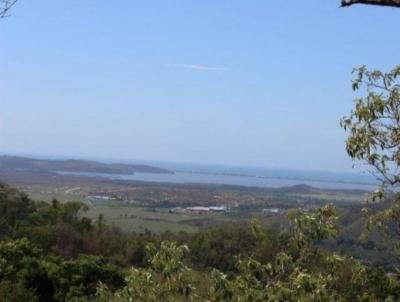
{"points": [[72, 165]]}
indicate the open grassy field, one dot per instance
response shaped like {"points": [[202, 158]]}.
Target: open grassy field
{"points": [[131, 217]]}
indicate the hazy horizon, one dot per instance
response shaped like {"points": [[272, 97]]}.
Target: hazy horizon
{"points": [[356, 170], [245, 84]]}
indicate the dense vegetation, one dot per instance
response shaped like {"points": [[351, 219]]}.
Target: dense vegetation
{"points": [[49, 252]]}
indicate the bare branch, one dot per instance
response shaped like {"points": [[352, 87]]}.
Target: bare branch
{"points": [[5, 6], [392, 3]]}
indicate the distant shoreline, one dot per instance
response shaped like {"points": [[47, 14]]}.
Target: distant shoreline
{"points": [[191, 173], [214, 179], [281, 177]]}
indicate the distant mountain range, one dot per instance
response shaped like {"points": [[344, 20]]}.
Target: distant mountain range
{"points": [[73, 165]]}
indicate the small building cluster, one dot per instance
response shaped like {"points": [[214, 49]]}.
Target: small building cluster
{"points": [[207, 209], [101, 197], [199, 209], [271, 211]]}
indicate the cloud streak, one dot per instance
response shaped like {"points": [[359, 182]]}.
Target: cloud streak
{"points": [[199, 67]]}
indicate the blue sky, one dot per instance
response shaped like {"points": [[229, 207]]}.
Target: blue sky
{"points": [[260, 83]]}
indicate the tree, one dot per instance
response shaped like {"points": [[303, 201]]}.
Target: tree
{"points": [[374, 124], [5, 7], [374, 139], [393, 3], [167, 279]]}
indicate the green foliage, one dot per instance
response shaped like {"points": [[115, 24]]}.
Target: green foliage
{"points": [[16, 292], [168, 279], [13, 254], [374, 137], [307, 275], [80, 277], [14, 207], [374, 124], [216, 248], [243, 263], [309, 227]]}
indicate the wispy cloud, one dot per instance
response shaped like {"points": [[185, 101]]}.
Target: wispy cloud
{"points": [[199, 67]]}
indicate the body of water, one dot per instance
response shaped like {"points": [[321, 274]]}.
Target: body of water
{"points": [[268, 180]]}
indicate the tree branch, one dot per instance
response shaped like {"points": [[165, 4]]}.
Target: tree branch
{"points": [[5, 6], [393, 3]]}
